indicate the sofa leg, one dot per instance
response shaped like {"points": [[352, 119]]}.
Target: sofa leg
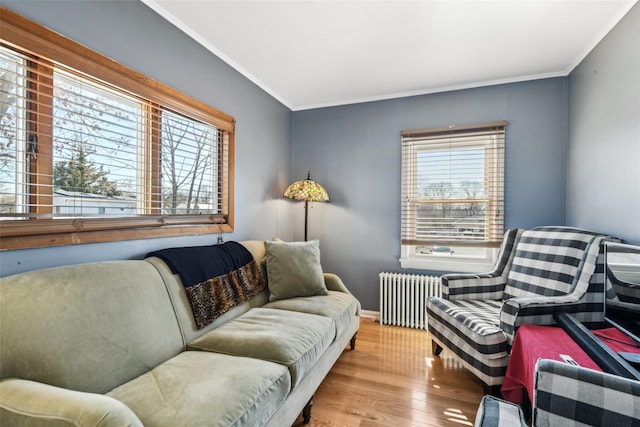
{"points": [[306, 411], [352, 343], [436, 348]]}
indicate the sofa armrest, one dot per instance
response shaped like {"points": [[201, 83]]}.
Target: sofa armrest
{"points": [[334, 283], [571, 394], [24, 402], [488, 286]]}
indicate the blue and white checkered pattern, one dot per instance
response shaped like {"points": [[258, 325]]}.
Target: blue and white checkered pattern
{"points": [[566, 277], [479, 342], [569, 396], [488, 286], [494, 412], [548, 260], [622, 294], [474, 301], [539, 271]]}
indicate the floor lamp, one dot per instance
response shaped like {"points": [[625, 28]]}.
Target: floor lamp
{"points": [[309, 191]]}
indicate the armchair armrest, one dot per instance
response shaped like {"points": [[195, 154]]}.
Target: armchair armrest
{"points": [[495, 412], [24, 402], [539, 310], [583, 396], [488, 286], [568, 395]]}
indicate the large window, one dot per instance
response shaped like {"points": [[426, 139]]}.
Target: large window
{"points": [[452, 197], [92, 151]]}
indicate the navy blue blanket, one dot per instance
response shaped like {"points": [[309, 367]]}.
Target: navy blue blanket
{"points": [[195, 264], [216, 278]]}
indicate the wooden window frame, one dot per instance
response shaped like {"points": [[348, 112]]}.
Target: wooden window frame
{"points": [[40, 230]]}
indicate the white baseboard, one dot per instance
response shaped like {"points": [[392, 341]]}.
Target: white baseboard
{"points": [[373, 315]]}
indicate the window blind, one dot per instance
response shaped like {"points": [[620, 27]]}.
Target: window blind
{"points": [[453, 185], [87, 145]]}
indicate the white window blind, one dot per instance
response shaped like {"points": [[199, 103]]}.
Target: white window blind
{"points": [[453, 186], [12, 130], [190, 164], [93, 151], [96, 153], [101, 151]]}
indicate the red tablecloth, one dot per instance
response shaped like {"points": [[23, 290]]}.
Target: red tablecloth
{"points": [[547, 342]]}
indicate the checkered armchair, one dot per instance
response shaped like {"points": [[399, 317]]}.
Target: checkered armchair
{"points": [[567, 395], [538, 271]]}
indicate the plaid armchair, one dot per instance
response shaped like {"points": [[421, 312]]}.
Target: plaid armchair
{"points": [[567, 395], [538, 272]]}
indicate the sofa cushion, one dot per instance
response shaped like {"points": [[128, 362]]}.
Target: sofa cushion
{"points": [[295, 340], [475, 322], [87, 327], [469, 329], [547, 262], [338, 306], [202, 388], [293, 269]]}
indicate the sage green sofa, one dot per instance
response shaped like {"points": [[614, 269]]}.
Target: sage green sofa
{"points": [[115, 343]]}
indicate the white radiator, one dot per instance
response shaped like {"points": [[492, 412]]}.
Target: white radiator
{"points": [[403, 298]]}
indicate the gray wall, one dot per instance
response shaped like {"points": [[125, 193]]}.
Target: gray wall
{"points": [[131, 33], [354, 151], [603, 177]]}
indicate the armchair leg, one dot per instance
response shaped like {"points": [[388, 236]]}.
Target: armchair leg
{"points": [[493, 390], [306, 411], [436, 348], [352, 342]]}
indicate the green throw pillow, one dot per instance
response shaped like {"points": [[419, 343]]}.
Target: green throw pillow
{"points": [[294, 270]]}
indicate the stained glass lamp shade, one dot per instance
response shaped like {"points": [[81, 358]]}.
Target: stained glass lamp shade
{"points": [[309, 191]]}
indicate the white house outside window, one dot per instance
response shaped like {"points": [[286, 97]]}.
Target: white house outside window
{"points": [[452, 197]]}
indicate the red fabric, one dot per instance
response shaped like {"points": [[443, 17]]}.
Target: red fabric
{"points": [[534, 342], [616, 340]]}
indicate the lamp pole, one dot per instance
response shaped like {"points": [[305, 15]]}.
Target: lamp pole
{"points": [[306, 218]]}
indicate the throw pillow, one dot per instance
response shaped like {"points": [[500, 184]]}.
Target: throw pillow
{"points": [[294, 270]]}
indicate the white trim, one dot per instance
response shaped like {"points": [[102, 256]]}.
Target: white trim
{"points": [[447, 263], [369, 314], [440, 89]]}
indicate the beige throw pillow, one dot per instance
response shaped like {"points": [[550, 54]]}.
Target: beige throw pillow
{"points": [[294, 270]]}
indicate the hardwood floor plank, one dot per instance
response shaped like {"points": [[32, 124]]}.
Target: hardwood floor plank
{"points": [[392, 379]]}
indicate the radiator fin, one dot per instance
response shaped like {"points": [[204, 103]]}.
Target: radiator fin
{"points": [[403, 298]]}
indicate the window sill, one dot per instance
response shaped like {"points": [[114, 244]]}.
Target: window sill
{"points": [[51, 237], [448, 264]]}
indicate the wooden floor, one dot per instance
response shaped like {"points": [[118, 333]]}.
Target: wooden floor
{"points": [[392, 379]]}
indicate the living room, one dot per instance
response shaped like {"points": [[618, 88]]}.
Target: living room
{"points": [[558, 169], [563, 166]]}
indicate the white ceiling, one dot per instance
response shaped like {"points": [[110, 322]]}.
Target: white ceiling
{"points": [[310, 54]]}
